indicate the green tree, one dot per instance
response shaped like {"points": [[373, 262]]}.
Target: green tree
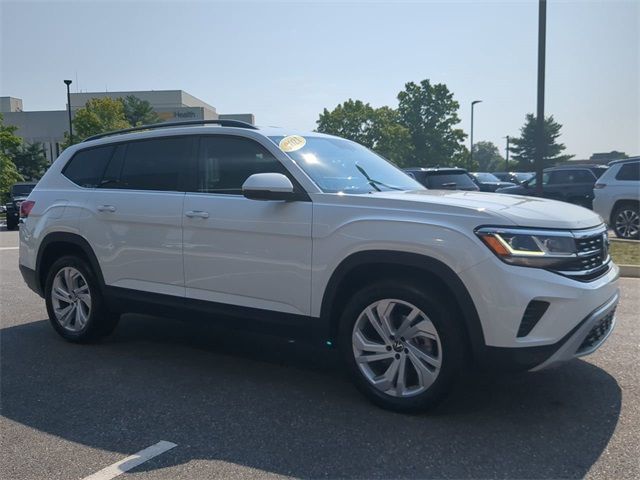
{"points": [[487, 156], [523, 148], [99, 115], [30, 160], [430, 114], [378, 129], [139, 112], [9, 141]]}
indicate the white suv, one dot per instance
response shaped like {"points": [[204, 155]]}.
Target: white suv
{"points": [[319, 238], [617, 197]]}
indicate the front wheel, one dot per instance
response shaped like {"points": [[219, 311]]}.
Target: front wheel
{"points": [[402, 345], [74, 302], [626, 222]]}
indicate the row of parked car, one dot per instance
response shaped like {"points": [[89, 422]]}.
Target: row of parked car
{"points": [[613, 190]]}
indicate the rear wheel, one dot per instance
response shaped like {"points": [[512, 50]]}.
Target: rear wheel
{"points": [[402, 345], [626, 221], [12, 224], [74, 302]]}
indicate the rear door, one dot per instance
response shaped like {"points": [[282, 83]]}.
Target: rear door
{"points": [[134, 217], [244, 252]]}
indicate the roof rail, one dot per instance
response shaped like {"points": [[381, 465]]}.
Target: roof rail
{"points": [[222, 123]]}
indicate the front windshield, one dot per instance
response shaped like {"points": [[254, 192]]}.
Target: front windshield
{"points": [[486, 177], [523, 177], [338, 165]]}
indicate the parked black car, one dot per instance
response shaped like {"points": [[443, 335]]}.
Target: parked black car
{"points": [[488, 182], [514, 177], [569, 184], [18, 193], [447, 178]]}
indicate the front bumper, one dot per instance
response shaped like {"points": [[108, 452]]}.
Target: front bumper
{"points": [[589, 335]]}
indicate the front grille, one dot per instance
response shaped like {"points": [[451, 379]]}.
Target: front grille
{"points": [[597, 333], [592, 260]]}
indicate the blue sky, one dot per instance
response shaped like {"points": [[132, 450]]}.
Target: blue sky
{"points": [[286, 61]]}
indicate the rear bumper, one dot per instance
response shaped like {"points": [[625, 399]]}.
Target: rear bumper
{"points": [[31, 279]]}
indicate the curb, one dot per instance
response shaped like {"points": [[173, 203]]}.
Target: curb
{"points": [[630, 271], [623, 240]]}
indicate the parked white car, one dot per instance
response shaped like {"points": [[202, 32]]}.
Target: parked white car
{"points": [[617, 197], [319, 238]]}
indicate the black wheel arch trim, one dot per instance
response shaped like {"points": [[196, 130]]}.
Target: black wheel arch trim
{"points": [[73, 239], [425, 263]]}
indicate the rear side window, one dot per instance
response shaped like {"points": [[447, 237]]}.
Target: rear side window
{"points": [[226, 162], [87, 166], [154, 164], [629, 171], [572, 176], [449, 180]]}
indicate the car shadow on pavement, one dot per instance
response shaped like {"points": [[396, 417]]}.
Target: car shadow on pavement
{"points": [[286, 408]]}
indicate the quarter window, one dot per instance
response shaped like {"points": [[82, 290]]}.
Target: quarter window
{"points": [[87, 166], [226, 162]]}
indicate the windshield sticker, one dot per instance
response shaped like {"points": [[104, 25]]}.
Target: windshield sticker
{"points": [[292, 143]]}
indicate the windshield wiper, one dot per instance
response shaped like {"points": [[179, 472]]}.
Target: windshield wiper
{"points": [[374, 183]]}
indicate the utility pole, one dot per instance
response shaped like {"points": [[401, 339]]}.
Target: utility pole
{"points": [[542, 35], [67, 83]]}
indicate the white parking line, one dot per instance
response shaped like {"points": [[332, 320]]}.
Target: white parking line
{"points": [[9, 248], [133, 461]]}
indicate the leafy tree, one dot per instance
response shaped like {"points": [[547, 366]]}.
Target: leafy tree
{"points": [[378, 129], [524, 147], [99, 115], [487, 156], [139, 112], [30, 160], [430, 114], [9, 141]]}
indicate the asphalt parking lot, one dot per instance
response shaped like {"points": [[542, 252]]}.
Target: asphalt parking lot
{"points": [[249, 406]]}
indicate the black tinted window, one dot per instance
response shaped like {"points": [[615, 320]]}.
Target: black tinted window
{"points": [[572, 176], [629, 171], [154, 164], [449, 180], [87, 166], [226, 162]]}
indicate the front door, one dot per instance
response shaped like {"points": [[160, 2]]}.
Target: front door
{"points": [[243, 252]]}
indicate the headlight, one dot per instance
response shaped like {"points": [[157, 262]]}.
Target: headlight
{"points": [[529, 248]]}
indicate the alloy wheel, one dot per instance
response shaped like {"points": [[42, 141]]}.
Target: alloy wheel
{"points": [[71, 299], [397, 348], [627, 223]]}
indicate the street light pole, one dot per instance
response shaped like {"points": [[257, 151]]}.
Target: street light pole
{"points": [[67, 83], [542, 36], [506, 165], [471, 136]]}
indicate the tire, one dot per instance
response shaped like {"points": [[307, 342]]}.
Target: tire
{"points": [[77, 311], [359, 337], [11, 224], [625, 221]]}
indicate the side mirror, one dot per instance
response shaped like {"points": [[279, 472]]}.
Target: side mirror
{"points": [[268, 186]]}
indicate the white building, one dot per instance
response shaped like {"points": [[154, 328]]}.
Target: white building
{"points": [[48, 127]]}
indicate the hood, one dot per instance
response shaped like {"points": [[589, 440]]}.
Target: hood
{"points": [[519, 210]]}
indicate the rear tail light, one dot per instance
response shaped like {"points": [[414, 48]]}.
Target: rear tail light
{"points": [[600, 185], [25, 208]]}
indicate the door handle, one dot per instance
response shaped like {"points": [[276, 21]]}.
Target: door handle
{"points": [[106, 208], [197, 214]]}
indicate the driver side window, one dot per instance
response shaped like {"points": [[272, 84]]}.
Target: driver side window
{"points": [[226, 162]]}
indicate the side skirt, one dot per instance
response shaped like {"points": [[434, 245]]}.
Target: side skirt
{"points": [[300, 327]]}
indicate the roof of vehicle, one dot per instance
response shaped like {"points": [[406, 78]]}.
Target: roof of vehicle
{"points": [[575, 167], [624, 160], [24, 183]]}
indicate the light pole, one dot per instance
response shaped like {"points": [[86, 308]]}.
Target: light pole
{"points": [[67, 83], [506, 163], [542, 36], [471, 146]]}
